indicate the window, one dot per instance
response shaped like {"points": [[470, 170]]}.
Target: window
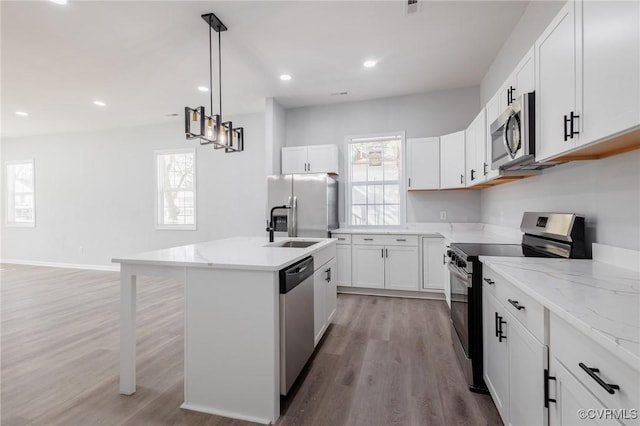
{"points": [[21, 208], [176, 189], [374, 187]]}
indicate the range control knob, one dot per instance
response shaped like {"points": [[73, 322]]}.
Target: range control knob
{"points": [[449, 253], [461, 263]]}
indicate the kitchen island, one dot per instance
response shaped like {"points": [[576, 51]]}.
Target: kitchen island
{"points": [[231, 320]]}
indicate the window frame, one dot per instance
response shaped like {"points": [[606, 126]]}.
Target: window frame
{"points": [[9, 193], [401, 176], [159, 204]]}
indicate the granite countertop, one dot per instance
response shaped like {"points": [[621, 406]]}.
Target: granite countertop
{"points": [[600, 299], [454, 232], [252, 253]]}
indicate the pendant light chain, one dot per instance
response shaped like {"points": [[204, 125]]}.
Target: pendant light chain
{"points": [[210, 73], [219, 72]]}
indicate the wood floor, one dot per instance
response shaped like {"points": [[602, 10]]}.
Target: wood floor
{"points": [[384, 361]]}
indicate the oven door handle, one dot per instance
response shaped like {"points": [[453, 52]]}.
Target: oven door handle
{"points": [[463, 276]]}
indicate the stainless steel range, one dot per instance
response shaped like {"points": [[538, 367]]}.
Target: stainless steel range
{"points": [[545, 235]]}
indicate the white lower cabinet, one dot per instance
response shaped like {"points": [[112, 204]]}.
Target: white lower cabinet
{"points": [[386, 261], [514, 360], [324, 298], [401, 268], [368, 266], [433, 258]]}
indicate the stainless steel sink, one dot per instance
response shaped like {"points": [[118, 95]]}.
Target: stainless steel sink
{"points": [[295, 244]]}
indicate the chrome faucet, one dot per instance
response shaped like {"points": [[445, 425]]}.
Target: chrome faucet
{"points": [[270, 225]]}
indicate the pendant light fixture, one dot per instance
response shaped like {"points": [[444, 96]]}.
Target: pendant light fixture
{"points": [[211, 129]]}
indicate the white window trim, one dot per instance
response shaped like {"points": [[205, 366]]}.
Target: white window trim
{"points": [[402, 177], [7, 223], [178, 227]]}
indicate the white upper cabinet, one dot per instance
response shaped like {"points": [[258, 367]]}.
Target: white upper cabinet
{"points": [[310, 159], [610, 68], [492, 112], [423, 163], [556, 95], [588, 75], [476, 150], [452, 160], [524, 77]]}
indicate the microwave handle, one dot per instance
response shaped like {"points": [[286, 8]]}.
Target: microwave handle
{"points": [[504, 138]]}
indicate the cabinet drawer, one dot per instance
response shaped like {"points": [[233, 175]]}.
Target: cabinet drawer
{"points": [[342, 238], [529, 312], [386, 240], [571, 347]]}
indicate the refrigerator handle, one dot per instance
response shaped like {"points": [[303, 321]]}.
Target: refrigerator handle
{"points": [[294, 216]]}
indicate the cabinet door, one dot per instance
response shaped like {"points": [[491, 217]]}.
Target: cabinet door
{"points": [[571, 396], [556, 83], [423, 163], [319, 303], [331, 294], [475, 146], [452, 160], [343, 258], [367, 266], [495, 356], [471, 174], [611, 68], [527, 362], [294, 160], [322, 159], [524, 76], [401, 268], [432, 260]]}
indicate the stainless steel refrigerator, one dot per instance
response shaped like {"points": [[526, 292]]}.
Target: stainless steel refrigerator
{"points": [[312, 201]]}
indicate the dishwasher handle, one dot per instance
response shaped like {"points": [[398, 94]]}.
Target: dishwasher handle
{"points": [[295, 274]]}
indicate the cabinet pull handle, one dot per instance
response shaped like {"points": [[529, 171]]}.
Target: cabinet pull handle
{"points": [[382, 253], [308, 167], [368, 239], [328, 272], [489, 281], [515, 304], [444, 258], [485, 165], [473, 172], [566, 133], [502, 335], [401, 239], [497, 316], [547, 377], [461, 179], [341, 239], [409, 182], [592, 373], [509, 96], [386, 252], [572, 116]]}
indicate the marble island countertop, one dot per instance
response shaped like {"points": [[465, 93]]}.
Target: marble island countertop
{"points": [[454, 232], [600, 299], [252, 253]]}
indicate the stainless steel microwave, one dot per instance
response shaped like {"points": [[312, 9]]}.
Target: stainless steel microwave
{"points": [[513, 136]]}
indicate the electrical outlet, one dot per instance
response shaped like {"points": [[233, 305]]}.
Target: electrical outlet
{"points": [[443, 215]]}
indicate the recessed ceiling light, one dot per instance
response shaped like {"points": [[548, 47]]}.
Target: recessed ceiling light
{"points": [[99, 103], [285, 77], [203, 88], [21, 113], [370, 64], [59, 1]]}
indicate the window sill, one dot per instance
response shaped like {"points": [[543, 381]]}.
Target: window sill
{"points": [[176, 228]]}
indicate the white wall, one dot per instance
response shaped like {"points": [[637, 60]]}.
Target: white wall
{"points": [[606, 191], [427, 114], [95, 192], [533, 21]]}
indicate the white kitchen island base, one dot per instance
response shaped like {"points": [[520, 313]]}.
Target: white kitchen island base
{"points": [[231, 314]]}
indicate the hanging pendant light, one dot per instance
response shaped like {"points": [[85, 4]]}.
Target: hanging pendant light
{"points": [[211, 129]]}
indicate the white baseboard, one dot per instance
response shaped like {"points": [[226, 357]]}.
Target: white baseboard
{"points": [[115, 268]]}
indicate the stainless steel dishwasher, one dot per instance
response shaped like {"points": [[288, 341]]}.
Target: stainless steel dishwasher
{"points": [[296, 320]]}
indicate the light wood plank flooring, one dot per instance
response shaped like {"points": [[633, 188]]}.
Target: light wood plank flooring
{"points": [[384, 361]]}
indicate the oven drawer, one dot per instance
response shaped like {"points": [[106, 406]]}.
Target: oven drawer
{"points": [[528, 311], [573, 348], [386, 240]]}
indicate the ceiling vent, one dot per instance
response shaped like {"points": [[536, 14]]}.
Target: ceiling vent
{"points": [[412, 6]]}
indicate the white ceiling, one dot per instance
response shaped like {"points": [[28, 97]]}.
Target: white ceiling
{"points": [[145, 59]]}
